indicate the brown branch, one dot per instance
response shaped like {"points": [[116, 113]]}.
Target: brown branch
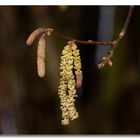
{"points": [[124, 29], [50, 31], [82, 41], [122, 33], [114, 43], [107, 58]]}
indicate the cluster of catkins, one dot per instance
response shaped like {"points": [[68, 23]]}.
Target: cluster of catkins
{"points": [[70, 61], [70, 72], [41, 32]]}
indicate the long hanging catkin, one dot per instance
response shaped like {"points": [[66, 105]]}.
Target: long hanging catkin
{"points": [[41, 56], [70, 60]]}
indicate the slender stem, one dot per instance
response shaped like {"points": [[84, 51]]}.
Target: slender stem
{"points": [[124, 29], [81, 41], [113, 43], [107, 58], [122, 33]]}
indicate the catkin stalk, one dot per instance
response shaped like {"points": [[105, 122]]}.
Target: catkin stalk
{"points": [[41, 56]]}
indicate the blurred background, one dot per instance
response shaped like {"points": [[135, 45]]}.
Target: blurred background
{"points": [[108, 101]]}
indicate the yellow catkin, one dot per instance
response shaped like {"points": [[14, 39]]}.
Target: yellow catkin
{"points": [[62, 89], [33, 35], [77, 64], [67, 86], [41, 56], [73, 114]]}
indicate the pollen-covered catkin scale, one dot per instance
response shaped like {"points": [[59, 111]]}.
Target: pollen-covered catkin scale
{"points": [[41, 56], [33, 35]]}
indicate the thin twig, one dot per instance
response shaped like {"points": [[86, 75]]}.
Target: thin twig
{"points": [[122, 33], [124, 29], [82, 41], [107, 58]]}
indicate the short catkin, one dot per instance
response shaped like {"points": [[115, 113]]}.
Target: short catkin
{"points": [[33, 35], [41, 56]]}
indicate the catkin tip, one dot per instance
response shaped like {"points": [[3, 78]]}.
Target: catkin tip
{"points": [[33, 35]]}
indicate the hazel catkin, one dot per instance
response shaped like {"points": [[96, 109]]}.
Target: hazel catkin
{"points": [[33, 35], [67, 86], [41, 56]]}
